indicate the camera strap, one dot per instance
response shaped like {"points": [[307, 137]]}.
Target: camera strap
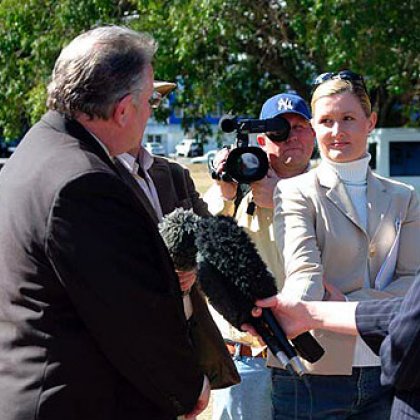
{"points": [[250, 210], [238, 199]]}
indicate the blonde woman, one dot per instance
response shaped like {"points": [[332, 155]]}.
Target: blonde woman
{"points": [[342, 224]]}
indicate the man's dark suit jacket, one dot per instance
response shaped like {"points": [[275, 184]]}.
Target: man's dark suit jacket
{"points": [[392, 329], [91, 316]]}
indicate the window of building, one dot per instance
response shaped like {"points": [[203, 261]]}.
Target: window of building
{"points": [[404, 158], [154, 138]]}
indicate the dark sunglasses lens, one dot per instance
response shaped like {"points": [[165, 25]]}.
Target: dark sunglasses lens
{"points": [[349, 75], [275, 136], [353, 78], [322, 78]]}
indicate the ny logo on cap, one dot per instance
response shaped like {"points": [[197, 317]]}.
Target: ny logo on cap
{"points": [[284, 104]]}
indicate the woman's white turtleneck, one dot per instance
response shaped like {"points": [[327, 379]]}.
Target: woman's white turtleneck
{"points": [[354, 176]]}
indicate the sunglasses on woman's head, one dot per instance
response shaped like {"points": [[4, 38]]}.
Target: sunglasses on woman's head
{"points": [[341, 75]]}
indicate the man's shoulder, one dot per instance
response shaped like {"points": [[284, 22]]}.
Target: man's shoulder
{"points": [[169, 164], [48, 158]]}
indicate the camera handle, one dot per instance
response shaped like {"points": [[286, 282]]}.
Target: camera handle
{"points": [[223, 176], [242, 140]]}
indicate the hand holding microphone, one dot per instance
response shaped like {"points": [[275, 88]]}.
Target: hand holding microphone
{"points": [[292, 315]]}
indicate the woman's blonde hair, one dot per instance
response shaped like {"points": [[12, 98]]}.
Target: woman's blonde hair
{"points": [[337, 86]]}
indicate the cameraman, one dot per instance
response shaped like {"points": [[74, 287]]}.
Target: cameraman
{"points": [[253, 210]]}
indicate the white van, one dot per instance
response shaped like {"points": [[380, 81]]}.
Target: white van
{"points": [[396, 154], [189, 148], [155, 148]]}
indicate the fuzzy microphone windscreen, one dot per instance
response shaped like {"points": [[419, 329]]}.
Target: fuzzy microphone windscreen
{"points": [[230, 270], [178, 232]]}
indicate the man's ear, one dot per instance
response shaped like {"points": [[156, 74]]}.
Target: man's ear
{"points": [[121, 110], [261, 140]]}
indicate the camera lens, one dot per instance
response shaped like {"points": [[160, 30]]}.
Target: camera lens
{"points": [[247, 165]]}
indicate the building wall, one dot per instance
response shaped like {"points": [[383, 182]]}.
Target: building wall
{"points": [[170, 134]]}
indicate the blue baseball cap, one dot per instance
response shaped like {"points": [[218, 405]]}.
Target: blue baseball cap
{"points": [[285, 103]]}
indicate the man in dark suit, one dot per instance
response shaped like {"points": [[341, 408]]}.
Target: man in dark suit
{"points": [[390, 327], [91, 316]]}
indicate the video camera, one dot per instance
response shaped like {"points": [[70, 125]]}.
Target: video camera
{"points": [[246, 164]]}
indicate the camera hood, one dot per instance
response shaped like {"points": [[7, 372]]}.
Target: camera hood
{"points": [[280, 125]]}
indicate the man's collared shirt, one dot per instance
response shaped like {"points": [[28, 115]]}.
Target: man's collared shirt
{"points": [[145, 161]]}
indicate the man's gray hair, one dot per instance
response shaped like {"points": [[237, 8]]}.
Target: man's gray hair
{"points": [[98, 68]]}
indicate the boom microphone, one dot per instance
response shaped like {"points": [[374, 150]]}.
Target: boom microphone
{"points": [[225, 246], [233, 276]]}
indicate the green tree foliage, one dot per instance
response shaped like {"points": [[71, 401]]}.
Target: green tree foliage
{"points": [[230, 52], [241, 51]]}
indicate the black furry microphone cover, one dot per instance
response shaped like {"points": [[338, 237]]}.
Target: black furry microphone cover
{"points": [[231, 273], [178, 232], [230, 270]]}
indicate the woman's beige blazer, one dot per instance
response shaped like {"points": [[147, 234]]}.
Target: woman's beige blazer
{"points": [[319, 235]]}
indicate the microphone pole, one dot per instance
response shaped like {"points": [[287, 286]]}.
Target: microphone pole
{"points": [[289, 351], [274, 345]]}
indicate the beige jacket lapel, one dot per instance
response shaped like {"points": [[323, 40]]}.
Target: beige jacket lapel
{"points": [[337, 194], [378, 202]]}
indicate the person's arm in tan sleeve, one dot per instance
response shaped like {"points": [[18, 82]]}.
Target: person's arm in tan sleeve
{"points": [[296, 242]]}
